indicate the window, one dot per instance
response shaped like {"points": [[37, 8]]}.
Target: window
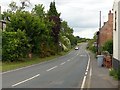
{"points": [[115, 20]]}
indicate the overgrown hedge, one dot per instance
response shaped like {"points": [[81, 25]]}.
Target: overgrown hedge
{"points": [[14, 45]]}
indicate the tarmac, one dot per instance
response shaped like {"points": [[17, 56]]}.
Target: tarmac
{"points": [[98, 77]]}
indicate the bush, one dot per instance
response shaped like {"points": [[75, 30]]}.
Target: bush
{"points": [[115, 73], [14, 46], [108, 46]]}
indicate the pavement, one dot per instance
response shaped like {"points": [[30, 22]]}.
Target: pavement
{"points": [[99, 77]]}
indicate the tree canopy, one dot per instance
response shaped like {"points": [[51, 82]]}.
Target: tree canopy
{"points": [[41, 32]]}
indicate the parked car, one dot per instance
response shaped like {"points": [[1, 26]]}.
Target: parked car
{"points": [[76, 48]]}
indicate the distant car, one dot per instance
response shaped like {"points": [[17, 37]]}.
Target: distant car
{"points": [[76, 48]]}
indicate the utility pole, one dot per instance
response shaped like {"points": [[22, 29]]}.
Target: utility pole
{"points": [[100, 22], [98, 34]]}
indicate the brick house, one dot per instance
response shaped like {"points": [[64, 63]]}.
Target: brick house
{"points": [[106, 31]]}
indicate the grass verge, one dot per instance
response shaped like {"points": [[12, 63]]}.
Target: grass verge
{"points": [[6, 66]]}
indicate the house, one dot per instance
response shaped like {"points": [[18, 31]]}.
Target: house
{"points": [[116, 34], [106, 31]]}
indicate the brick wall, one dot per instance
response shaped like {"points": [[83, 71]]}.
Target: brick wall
{"points": [[106, 32]]}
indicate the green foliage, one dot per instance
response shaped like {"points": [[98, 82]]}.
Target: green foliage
{"points": [[108, 46], [39, 10], [52, 11], [54, 17], [41, 31], [68, 32], [91, 46], [115, 73], [14, 46]]}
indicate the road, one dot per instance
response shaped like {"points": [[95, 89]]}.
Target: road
{"points": [[64, 72]]}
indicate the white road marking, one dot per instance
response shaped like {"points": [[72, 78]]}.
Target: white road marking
{"points": [[83, 83], [26, 80], [84, 79], [68, 60], [52, 68], [88, 65], [24, 67], [85, 73], [63, 63]]}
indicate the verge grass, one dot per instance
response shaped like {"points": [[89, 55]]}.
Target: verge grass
{"points": [[6, 66]]}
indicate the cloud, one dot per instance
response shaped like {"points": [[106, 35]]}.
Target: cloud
{"points": [[81, 15], [85, 32]]}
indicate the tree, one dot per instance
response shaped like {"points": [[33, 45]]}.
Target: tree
{"points": [[39, 10], [54, 17], [13, 6], [24, 3]]}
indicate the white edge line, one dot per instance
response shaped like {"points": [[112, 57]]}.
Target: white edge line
{"points": [[26, 80], [88, 62], [28, 66], [52, 68], [84, 79], [23, 68], [83, 83]]}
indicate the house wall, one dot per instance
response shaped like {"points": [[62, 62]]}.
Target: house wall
{"points": [[106, 32], [116, 34], [119, 31]]}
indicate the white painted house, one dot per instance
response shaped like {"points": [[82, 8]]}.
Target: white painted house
{"points": [[116, 34]]}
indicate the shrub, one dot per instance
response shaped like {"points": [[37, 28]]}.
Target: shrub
{"points": [[108, 46], [115, 73], [14, 46]]}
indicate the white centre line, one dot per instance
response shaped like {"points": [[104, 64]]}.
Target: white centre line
{"points": [[52, 68], [68, 60], [63, 63], [26, 80]]}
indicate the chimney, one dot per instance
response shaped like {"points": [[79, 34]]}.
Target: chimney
{"points": [[110, 16]]}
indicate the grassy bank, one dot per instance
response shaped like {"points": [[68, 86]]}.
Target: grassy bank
{"points": [[6, 66]]}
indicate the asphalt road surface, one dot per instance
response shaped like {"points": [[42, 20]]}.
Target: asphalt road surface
{"points": [[64, 72]]}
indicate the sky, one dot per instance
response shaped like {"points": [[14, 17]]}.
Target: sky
{"points": [[81, 15]]}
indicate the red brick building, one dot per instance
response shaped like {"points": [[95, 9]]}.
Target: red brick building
{"points": [[106, 31]]}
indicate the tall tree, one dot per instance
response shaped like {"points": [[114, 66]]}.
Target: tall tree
{"points": [[54, 17], [39, 10]]}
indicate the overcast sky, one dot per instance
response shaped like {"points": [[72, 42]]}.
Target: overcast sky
{"points": [[81, 15]]}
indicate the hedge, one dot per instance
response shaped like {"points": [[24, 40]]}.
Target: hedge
{"points": [[14, 45]]}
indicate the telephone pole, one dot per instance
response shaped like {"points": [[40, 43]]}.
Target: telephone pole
{"points": [[98, 34]]}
